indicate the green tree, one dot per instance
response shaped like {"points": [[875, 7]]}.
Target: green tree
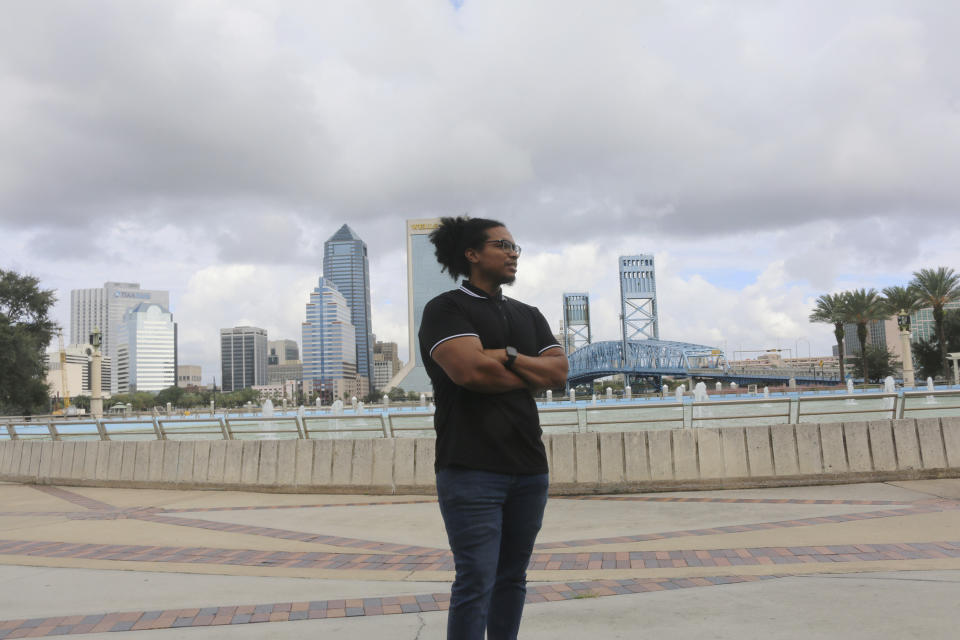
{"points": [[831, 309], [936, 288], [880, 363], [901, 299], [25, 332], [174, 395], [863, 306]]}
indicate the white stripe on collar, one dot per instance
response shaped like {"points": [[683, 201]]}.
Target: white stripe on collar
{"points": [[471, 293]]}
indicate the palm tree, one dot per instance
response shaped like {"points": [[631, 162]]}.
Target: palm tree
{"points": [[831, 309], [936, 289], [863, 307], [901, 299]]}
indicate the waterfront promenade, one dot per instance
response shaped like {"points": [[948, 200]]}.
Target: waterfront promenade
{"points": [[879, 560]]}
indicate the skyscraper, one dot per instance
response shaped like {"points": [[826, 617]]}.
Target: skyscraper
{"points": [[329, 344], [345, 264], [147, 356], [105, 309], [243, 357], [424, 282]]}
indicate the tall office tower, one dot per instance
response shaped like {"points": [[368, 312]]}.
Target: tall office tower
{"points": [[386, 363], [105, 309], [576, 321], [638, 298], [147, 357], [329, 343], [243, 357], [424, 282], [282, 351], [345, 264]]}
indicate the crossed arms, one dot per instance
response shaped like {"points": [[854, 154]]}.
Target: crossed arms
{"points": [[471, 366]]}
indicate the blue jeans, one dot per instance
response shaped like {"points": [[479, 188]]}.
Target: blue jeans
{"points": [[492, 521]]}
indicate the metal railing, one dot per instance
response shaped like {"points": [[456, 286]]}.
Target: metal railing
{"points": [[559, 418]]}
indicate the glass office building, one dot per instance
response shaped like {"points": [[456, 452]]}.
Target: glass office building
{"points": [[147, 359], [345, 264], [328, 341], [243, 357], [424, 282]]}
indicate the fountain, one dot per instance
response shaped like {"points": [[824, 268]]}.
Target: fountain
{"points": [[385, 400], [734, 386], [358, 409], [718, 387], [423, 400], [353, 403], [889, 386], [850, 400], [594, 399], [318, 402], [700, 392], [931, 389], [609, 393], [664, 391], [627, 392], [337, 408], [679, 391], [766, 392], [267, 410], [549, 395], [573, 396]]}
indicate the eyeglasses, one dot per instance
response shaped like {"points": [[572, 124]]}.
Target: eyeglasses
{"points": [[506, 245]]}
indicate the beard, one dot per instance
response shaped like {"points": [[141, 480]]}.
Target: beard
{"points": [[507, 280]]}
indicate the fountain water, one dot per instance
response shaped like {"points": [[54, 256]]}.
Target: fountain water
{"points": [[337, 408], [358, 408], [594, 399], [609, 393], [573, 396], [385, 400], [700, 392], [889, 386], [318, 402], [718, 387], [267, 410], [766, 392], [664, 391], [931, 388], [734, 386], [423, 400], [850, 400], [679, 391], [549, 395], [627, 392]]}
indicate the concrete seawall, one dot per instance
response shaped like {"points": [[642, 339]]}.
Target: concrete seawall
{"points": [[731, 457]]}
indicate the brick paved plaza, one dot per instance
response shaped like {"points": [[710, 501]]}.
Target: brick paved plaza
{"points": [[869, 560]]}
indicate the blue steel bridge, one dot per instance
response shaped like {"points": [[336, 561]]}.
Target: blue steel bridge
{"points": [[658, 358]]}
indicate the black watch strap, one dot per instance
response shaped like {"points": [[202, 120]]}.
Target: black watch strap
{"points": [[512, 354]]}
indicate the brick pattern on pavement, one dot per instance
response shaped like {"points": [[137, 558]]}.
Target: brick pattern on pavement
{"points": [[384, 556], [343, 608]]}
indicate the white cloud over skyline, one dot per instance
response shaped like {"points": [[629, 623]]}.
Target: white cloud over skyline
{"points": [[764, 152]]}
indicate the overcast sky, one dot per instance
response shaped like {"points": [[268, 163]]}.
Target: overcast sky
{"points": [[765, 152]]}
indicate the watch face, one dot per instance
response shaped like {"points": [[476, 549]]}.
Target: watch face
{"points": [[512, 352]]}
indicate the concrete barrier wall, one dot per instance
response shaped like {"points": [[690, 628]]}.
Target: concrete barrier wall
{"points": [[730, 457]]}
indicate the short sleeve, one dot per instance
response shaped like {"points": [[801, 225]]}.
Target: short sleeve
{"points": [[443, 320], [545, 338]]}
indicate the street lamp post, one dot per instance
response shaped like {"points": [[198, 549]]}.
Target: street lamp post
{"points": [[903, 321]]}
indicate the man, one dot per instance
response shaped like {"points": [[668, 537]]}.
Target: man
{"points": [[486, 354]]}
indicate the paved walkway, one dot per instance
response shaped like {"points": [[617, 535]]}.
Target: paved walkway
{"points": [[850, 561]]}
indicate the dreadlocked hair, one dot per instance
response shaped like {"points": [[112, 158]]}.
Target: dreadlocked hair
{"points": [[454, 236]]}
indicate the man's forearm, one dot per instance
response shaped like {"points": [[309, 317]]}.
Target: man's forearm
{"points": [[541, 372], [490, 376]]}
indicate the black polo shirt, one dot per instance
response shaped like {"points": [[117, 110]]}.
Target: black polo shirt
{"points": [[497, 432]]}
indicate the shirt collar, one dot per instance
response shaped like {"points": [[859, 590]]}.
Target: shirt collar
{"points": [[477, 292]]}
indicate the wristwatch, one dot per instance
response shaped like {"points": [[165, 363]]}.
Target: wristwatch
{"points": [[512, 354]]}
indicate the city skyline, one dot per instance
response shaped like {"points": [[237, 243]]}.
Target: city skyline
{"points": [[764, 155]]}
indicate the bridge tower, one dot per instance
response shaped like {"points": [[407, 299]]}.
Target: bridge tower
{"points": [[576, 321], [638, 299]]}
